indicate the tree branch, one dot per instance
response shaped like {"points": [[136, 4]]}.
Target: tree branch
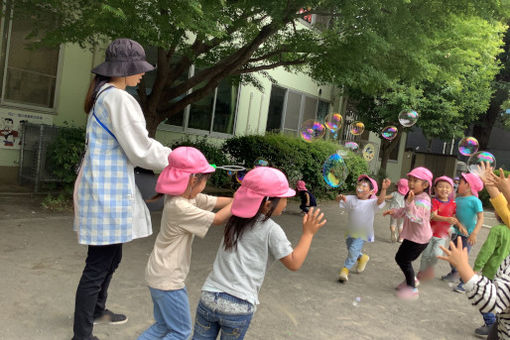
{"points": [[270, 66]]}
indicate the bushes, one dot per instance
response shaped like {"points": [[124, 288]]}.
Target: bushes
{"points": [[295, 158]]}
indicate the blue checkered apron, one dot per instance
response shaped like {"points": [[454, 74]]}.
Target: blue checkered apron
{"points": [[103, 198]]}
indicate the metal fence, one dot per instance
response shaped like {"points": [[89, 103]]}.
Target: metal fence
{"points": [[33, 167]]}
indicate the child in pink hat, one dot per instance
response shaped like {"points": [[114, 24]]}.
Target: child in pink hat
{"points": [[443, 217], [417, 231], [470, 214], [307, 198], [250, 242], [187, 212], [396, 201], [360, 225]]}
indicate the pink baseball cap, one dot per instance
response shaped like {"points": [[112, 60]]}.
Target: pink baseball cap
{"points": [[259, 183], [182, 162], [372, 181], [422, 173], [444, 179], [301, 185], [402, 186], [475, 183]]}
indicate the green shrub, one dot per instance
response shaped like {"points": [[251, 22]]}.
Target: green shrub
{"points": [[296, 158], [214, 155], [65, 153]]}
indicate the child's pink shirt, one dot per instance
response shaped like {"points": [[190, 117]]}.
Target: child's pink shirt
{"points": [[416, 219]]}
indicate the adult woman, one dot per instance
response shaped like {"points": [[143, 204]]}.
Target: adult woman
{"points": [[109, 209]]}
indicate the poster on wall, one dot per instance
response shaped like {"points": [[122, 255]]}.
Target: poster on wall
{"points": [[10, 127]]}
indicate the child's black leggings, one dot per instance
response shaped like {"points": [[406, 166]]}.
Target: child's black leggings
{"points": [[406, 254]]}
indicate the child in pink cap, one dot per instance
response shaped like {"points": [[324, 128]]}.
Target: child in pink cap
{"points": [[443, 217], [186, 213], [417, 231], [251, 241], [307, 198], [360, 225], [470, 215], [396, 200]]}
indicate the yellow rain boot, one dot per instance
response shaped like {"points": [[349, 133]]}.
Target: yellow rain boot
{"points": [[362, 263], [344, 275]]}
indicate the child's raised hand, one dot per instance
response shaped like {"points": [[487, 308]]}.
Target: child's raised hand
{"points": [[484, 172], [313, 221], [501, 182], [389, 212], [341, 197], [386, 183], [410, 197], [456, 256]]}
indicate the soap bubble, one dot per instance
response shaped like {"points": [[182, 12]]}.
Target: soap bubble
{"points": [[230, 173], [357, 128], [353, 146], [311, 130], [468, 146], [333, 121], [343, 153], [477, 158], [240, 176], [356, 301], [368, 152], [260, 162], [334, 171], [389, 132], [408, 118]]}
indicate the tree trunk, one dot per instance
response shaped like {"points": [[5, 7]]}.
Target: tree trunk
{"points": [[483, 127], [387, 147], [152, 120]]}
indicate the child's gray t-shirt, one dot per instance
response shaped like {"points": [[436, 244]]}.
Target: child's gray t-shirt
{"points": [[240, 272]]}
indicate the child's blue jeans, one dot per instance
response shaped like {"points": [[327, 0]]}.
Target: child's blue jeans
{"points": [[209, 321], [354, 247], [172, 315], [465, 244]]}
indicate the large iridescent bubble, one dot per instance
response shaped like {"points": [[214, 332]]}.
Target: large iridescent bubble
{"points": [[335, 171], [477, 158], [408, 118], [312, 130], [260, 162], [468, 146], [333, 121], [353, 146], [389, 132], [357, 128]]}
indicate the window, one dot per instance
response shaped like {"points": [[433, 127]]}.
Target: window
{"points": [[288, 109], [28, 76]]}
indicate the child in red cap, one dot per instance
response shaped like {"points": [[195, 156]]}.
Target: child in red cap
{"points": [[417, 231], [186, 213], [360, 225], [250, 242], [470, 215], [396, 200]]}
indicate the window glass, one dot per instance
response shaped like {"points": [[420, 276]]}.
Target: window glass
{"points": [[200, 113], [274, 114], [224, 113], [292, 112], [31, 73]]}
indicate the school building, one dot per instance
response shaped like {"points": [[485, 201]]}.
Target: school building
{"points": [[48, 86]]}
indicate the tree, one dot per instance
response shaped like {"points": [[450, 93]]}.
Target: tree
{"points": [[450, 99], [371, 44]]}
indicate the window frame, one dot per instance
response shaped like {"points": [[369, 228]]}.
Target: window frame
{"points": [[12, 104], [303, 95], [186, 115]]}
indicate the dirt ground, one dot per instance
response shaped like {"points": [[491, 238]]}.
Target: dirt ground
{"points": [[41, 263]]}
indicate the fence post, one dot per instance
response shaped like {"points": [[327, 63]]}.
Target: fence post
{"points": [[39, 155]]}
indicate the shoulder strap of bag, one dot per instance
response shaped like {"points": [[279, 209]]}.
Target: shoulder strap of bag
{"points": [[94, 112]]}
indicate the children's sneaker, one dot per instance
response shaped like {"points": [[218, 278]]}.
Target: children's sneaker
{"points": [[450, 277], [361, 263], [460, 288], [343, 275], [403, 284], [408, 293], [111, 318], [482, 331]]}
